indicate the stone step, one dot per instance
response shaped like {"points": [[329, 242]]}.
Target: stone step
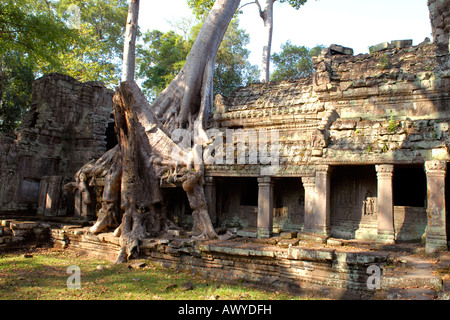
{"points": [[413, 280], [411, 294]]}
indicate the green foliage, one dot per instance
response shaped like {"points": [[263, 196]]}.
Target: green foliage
{"points": [[293, 62], [232, 66], [159, 59], [31, 36], [392, 125], [16, 76], [44, 276], [200, 7], [36, 38], [97, 55], [163, 55], [384, 62], [32, 28], [296, 4]]}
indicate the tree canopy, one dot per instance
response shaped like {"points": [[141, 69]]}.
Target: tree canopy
{"points": [[37, 37], [293, 62], [162, 55], [201, 8]]}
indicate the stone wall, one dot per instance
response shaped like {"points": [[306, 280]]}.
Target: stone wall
{"points": [[392, 104], [440, 21], [16, 233], [65, 128]]}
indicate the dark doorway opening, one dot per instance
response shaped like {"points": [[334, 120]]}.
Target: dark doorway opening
{"points": [[410, 186]]}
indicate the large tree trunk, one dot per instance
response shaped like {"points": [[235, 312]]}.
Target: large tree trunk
{"points": [[129, 51], [267, 17], [146, 153]]}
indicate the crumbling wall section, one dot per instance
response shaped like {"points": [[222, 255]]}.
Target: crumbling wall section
{"points": [[440, 21], [390, 105], [65, 128]]}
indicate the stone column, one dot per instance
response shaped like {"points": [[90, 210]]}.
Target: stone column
{"points": [[436, 235], [309, 185], [322, 199], [210, 194], [385, 203], [265, 207]]}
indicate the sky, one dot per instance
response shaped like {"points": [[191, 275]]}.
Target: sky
{"points": [[357, 24]]}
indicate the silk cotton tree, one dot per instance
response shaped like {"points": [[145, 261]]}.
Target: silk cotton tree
{"points": [[265, 8], [146, 154], [266, 14]]}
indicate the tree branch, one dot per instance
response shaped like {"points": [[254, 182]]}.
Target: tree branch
{"points": [[261, 12], [253, 2]]}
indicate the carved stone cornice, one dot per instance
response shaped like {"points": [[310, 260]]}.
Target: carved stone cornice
{"points": [[265, 181], [324, 169], [308, 182], [435, 165], [384, 170], [436, 168]]}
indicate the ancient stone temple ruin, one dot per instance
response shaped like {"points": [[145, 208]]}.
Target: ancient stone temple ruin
{"points": [[69, 124], [358, 151], [363, 148]]}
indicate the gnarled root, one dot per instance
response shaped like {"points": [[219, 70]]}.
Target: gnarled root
{"points": [[193, 186]]}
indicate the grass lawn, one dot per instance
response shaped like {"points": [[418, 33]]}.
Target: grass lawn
{"points": [[42, 274]]}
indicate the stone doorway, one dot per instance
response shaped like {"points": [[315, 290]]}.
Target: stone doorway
{"points": [[354, 202], [410, 197], [289, 204], [237, 202]]}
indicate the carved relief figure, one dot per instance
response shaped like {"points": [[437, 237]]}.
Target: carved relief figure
{"points": [[368, 204]]}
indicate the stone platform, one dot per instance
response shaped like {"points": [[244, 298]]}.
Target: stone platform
{"points": [[311, 266]]}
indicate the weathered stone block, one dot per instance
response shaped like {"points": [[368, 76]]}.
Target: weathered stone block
{"points": [[314, 254], [379, 47], [364, 258], [400, 44], [288, 235], [313, 237], [20, 232], [338, 49]]}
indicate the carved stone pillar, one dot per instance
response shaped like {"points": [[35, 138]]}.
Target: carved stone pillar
{"points": [[436, 235], [210, 194], [265, 207], [322, 199], [309, 185], [385, 203]]}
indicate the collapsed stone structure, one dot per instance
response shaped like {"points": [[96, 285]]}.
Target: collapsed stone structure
{"points": [[361, 153], [69, 124], [363, 148]]}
